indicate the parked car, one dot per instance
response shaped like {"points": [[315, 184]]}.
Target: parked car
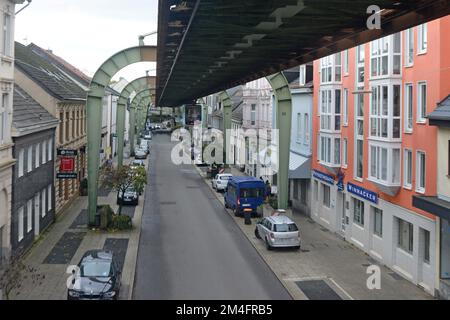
{"points": [[244, 193], [220, 181], [96, 278], [130, 196], [137, 163], [147, 136], [140, 154], [278, 231]]}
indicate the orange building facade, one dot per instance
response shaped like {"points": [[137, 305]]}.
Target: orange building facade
{"points": [[374, 149]]}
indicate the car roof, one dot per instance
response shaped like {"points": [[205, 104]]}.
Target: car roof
{"points": [[246, 179], [97, 254], [280, 219], [225, 174]]}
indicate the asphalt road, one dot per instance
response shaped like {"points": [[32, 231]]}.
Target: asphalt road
{"points": [[190, 248]]}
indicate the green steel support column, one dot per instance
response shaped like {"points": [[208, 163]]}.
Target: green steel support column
{"points": [[120, 130], [227, 106], [94, 105], [132, 122], [283, 98]]}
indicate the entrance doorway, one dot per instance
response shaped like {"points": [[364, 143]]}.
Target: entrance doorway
{"points": [[341, 213]]}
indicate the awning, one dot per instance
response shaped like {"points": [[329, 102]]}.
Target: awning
{"points": [[434, 205], [299, 166]]}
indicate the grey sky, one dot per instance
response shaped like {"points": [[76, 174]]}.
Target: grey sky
{"points": [[87, 32]]}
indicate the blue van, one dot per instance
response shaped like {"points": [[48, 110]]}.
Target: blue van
{"points": [[244, 193]]}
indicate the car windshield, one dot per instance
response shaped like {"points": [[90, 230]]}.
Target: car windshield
{"points": [[285, 227], [96, 268], [225, 178], [251, 193]]}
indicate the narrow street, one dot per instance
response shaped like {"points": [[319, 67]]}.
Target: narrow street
{"points": [[190, 248]]}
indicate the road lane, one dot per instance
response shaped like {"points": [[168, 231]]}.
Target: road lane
{"points": [[190, 248]]}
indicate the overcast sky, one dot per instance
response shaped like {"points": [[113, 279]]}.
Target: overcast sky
{"points": [[87, 32]]}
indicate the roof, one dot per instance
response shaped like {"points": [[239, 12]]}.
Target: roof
{"points": [[280, 219], [49, 77], [208, 46], [27, 113], [441, 114]]}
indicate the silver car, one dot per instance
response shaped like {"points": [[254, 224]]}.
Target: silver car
{"points": [[278, 231]]}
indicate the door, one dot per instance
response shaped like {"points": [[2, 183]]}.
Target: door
{"points": [[342, 213], [36, 214]]}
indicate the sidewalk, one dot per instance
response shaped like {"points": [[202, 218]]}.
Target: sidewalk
{"points": [[326, 267], [69, 238]]}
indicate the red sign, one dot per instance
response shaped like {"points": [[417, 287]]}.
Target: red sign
{"points": [[67, 164]]}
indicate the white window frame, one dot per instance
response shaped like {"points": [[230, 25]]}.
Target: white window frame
{"points": [[29, 215], [358, 219], [360, 65], [43, 201], [37, 203], [7, 34], [420, 108], [407, 168], [30, 159], [419, 176], [299, 126], [252, 114], [302, 75], [409, 108], [306, 128], [20, 224], [21, 163], [409, 45], [50, 149], [379, 116], [324, 203], [345, 107], [44, 152], [422, 39], [345, 62], [409, 247], [37, 155], [377, 212], [384, 172], [49, 198], [4, 126], [345, 153]]}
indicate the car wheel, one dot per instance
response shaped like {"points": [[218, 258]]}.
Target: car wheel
{"points": [[236, 212], [226, 205], [268, 246], [297, 248], [257, 235]]}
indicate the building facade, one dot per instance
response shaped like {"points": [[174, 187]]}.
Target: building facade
{"points": [[33, 201], [63, 98], [7, 18], [374, 149]]}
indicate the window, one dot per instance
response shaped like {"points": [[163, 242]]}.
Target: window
{"points": [[380, 168], [44, 153], [326, 196], [405, 235], [344, 153], [66, 126], [4, 118], [50, 149], [73, 124], [29, 159], [360, 56], [325, 149], [359, 158], [7, 39], [337, 151], [346, 62], [36, 156], [20, 224], [306, 128], [420, 172], [422, 42], [377, 222], [326, 69], [37, 203], [379, 57], [302, 77], [61, 127], [421, 102], [49, 197], [44, 198], [20, 163], [253, 115], [385, 112], [325, 109], [358, 212], [337, 110], [408, 108], [407, 169], [29, 215], [426, 245], [345, 107], [337, 67], [409, 47], [299, 127]]}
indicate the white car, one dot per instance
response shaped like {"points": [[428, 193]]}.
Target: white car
{"points": [[220, 181], [140, 154]]}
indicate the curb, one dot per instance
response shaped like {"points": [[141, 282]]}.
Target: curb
{"points": [[289, 291]]}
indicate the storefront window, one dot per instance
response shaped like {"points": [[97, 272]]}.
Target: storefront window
{"points": [[358, 212], [405, 235]]}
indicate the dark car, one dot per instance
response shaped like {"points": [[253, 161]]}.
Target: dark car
{"points": [[97, 278], [131, 197]]}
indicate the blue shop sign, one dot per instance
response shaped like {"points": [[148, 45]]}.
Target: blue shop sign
{"points": [[324, 177], [363, 193]]}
